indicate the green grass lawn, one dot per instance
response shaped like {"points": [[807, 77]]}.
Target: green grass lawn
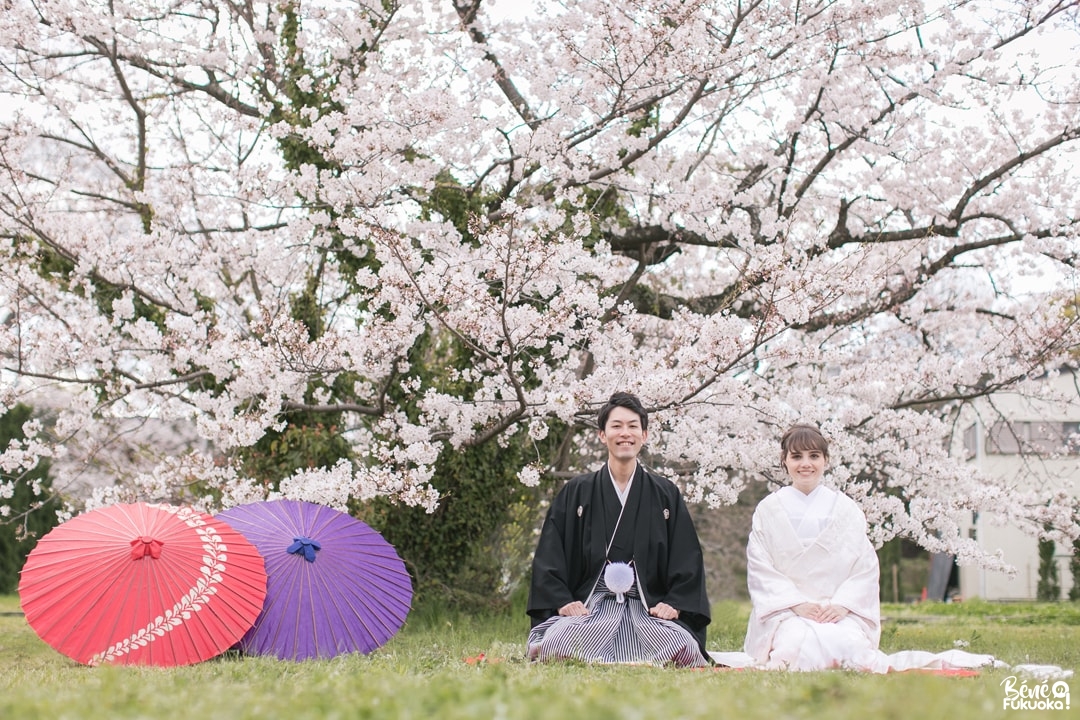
{"points": [[424, 672]]}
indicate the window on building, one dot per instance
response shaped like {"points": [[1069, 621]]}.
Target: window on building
{"points": [[1071, 431], [1040, 437], [970, 440], [1004, 438]]}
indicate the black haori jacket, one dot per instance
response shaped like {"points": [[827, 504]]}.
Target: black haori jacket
{"points": [[656, 532]]}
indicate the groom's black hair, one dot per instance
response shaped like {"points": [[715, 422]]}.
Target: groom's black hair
{"points": [[626, 400]]}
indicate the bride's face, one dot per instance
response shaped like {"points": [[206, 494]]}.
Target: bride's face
{"points": [[805, 468]]}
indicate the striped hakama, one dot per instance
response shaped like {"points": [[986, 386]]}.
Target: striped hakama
{"points": [[615, 632]]}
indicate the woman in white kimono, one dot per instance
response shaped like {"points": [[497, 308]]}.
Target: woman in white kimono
{"points": [[813, 579], [811, 570]]}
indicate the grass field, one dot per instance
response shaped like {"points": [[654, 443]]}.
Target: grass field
{"points": [[433, 669]]}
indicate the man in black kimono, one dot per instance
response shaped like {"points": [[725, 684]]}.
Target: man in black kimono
{"points": [[601, 526]]}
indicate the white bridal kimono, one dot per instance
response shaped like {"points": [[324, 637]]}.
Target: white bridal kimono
{"points": [[814, 548], [811, 548]]}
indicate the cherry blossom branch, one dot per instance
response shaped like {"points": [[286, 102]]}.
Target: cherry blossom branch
{"points": [[467, 10]]}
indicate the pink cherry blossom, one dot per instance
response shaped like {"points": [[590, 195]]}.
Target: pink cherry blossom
{"points": [[862, 215]]}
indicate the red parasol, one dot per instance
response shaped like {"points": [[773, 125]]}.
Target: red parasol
{"points": [[139, 584]]}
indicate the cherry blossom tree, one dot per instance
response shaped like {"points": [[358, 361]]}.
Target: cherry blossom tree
{"points": [[439, 229]]}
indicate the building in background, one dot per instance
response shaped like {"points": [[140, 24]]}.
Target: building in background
{"points": [[1027, 442]]}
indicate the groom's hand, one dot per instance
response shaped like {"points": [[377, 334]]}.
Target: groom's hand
{"points": [[574, 609], [664, 612]]}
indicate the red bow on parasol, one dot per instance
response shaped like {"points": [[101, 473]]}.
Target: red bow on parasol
{"points": [[140, 584]]}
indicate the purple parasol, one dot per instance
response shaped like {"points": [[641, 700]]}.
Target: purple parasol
{"points": [[334, 585]]}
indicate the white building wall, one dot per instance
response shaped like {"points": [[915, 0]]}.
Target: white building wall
{"points": [[1022, 552], [995, 452]]}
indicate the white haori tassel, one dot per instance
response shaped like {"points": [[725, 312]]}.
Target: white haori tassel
{"points": [[619, 578]]}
